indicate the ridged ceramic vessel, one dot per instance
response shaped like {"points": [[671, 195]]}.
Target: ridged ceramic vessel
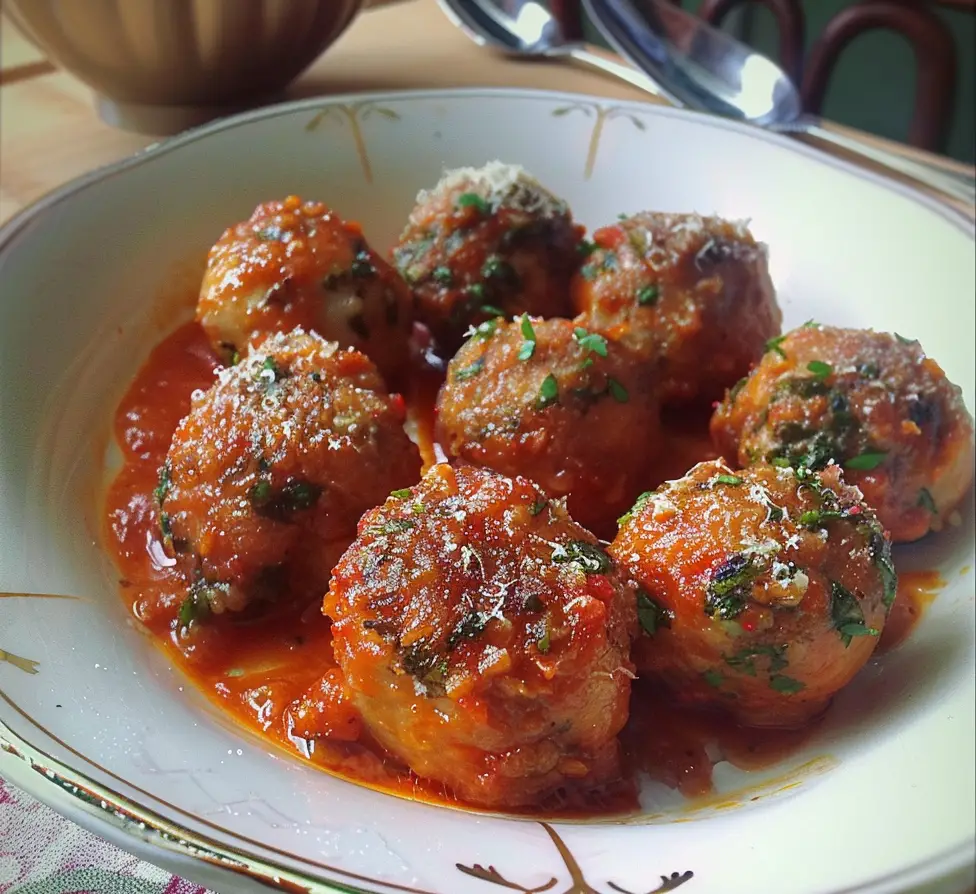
{"points": [[161, 65]]}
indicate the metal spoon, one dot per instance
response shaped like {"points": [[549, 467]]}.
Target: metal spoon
{"points": [[703, 68], [530, 29]]}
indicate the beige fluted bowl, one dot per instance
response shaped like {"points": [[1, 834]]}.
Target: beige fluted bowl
{"points": [[163, 65]]}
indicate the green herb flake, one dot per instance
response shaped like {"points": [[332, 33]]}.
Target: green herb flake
{"points": [[362, 265], [847, 614], [473, 200], [647, 296], [259, 493], [585, 248], [235, 672], [729, 589], [865, 462], [498, 268], [651, 614], [617, 391], [713, 678], [269, 233], [548, 392], [403, 493], [906, 341], [537, 507], [776, 345], [641, 501], [544, 641], [820, 369], [492, 310], [443, 275], [926, 502], [468, 372], [786, 685], [744, 660], [165, 484], [588, 556], [393, 526], [592, 342], [527, 348], [731, 480], [484, 331]]}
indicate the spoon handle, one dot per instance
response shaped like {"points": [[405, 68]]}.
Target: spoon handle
{"points": [[611, 64], [958, 186]]}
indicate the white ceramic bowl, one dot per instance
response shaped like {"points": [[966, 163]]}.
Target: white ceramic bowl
{"points": [[881, 800]]}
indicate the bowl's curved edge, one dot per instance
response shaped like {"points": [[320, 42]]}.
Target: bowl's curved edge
{"points": [[73, 793]]}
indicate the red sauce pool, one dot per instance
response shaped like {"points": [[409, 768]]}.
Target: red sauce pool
{"points": [[255, 670]]}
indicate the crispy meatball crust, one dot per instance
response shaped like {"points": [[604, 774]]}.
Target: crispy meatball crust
{"points": [[870, 401], [692, 291], [490, 237], [297, 264], [558, 404], [484, 638], [763, 592], [272, 468]]}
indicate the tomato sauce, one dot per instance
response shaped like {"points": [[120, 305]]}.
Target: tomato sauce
{"points": [[258, 670]]}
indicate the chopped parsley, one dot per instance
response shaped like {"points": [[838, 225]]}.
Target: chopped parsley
{"points": [[443, 275], [866, 461], [499, 269], [469, 372], [820, 369], [924, 500], [527, 348], [544, 640], [641, 501], [713, 678], [588, 556], [585, 248], [730, 587], [744, 660], [786, 685], [393, 526], [295, 496], [484, 331], [470, 627], [491, 310], [590, 341], [847, 614], [647, 296], [617, 391], [651, 614], [548, 392], [270, 365], [537, 506], [403, 493], [731, 480], [166, 483], [426, 666], [776, 345], [473, 200]]}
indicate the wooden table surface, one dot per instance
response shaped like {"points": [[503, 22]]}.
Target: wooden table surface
{"points": [[49, 132]]}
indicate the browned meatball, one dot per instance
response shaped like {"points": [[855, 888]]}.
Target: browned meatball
{"points": [[563, 406], [486, 242], [692, 291], [763, 591], [872, 402], [297, 263], [269, 473], [483, 636]]}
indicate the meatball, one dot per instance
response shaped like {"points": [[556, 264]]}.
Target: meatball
{"points": [[296, 263], [269, 473], [872, 402], [763, 592], [483, 636], [692, 292], [563, 406], [485, 242]]}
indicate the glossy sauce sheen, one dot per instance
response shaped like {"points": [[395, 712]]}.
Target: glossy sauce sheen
{"points": [[256, 670]]}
